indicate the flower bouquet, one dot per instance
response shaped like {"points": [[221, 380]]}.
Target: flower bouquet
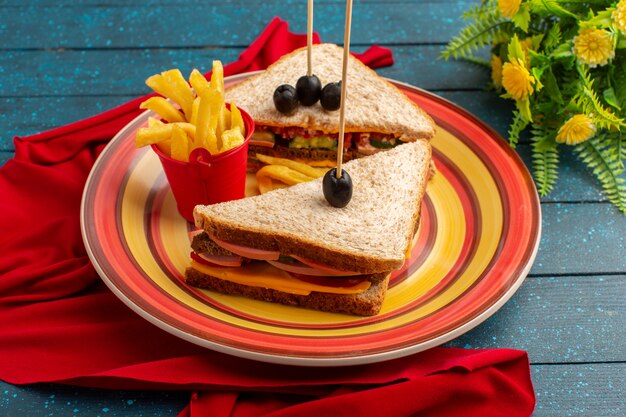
{"points": [[564, 65]]}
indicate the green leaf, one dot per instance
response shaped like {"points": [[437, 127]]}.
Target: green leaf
{"points": [[477, 12], [521, 19], [602, 155], [602, 20], [538, 59], [610, 98], [564, 50], [617, 75], [542, 141], [550, 107], [517, 126], [551, 87], [553, 38], [537, 73], [524, 108], [545, 157], [551, 7], [536, 40], [515, 50], [488, 25], [603, 117]]}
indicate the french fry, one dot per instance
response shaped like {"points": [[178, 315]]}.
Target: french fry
{"points": [[160, 132], [296, 166], [159, 85], [172, 85], [203, 123], [231, 138], [152, 135], [217, 77], [236, 120], [189, 129], [194, 111], [153, 121], [283, 174], [223, 122], [216, 103], [198, 82], [264, 183], [180, 144], [164, 146], [182, 93], [211, 142], [163, 108]]}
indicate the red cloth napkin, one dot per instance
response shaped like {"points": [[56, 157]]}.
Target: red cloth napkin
{"points": [[60, 323]]}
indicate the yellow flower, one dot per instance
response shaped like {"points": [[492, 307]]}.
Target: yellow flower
{"points": [[594, 47], [619, 16], [509, 8], [516, 80], [496, 71], [577, 129]]}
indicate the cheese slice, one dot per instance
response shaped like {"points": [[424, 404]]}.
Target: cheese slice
{"points": [[262, 274]]}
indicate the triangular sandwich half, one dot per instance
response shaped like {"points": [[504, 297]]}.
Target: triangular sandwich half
{"points": [[378, 115], [290, 246]]}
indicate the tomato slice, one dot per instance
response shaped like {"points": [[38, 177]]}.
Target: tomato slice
{"points": [[216, 260], [298, 267], [327, 269]]}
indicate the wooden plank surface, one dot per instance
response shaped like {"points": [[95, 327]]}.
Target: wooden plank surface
{"points": [[585, 390], [101, 26], [569, 319], [64, 60], [123, 71], [581, 239]]}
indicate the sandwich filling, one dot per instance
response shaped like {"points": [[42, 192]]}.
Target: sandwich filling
{"points": [[270, 269], [315, 145]]}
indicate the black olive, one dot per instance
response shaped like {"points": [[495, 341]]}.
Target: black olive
{"points": [[285, 98], [309, 89], [338, 191], [331, 96]]}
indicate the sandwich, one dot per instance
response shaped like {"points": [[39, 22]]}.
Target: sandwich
{"points": [[289, 246], [378, 115]]}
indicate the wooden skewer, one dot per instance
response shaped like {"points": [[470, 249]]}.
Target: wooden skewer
{"points": [[309, 38], [344, 85]]}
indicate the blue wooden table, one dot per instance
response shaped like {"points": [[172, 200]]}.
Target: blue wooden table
{"points": [[63, 60]]}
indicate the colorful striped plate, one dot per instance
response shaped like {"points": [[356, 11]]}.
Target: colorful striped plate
{"points": [[478, 237]]}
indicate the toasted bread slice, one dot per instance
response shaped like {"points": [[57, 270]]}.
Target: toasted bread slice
{"points": [[370, 235], [372, 105]]}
